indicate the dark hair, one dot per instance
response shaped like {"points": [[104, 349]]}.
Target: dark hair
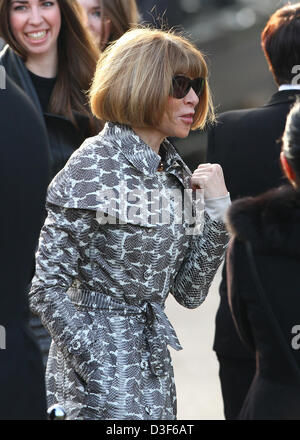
{"points": [[77, 58], [291, 139], [280, 41], [123, 15]]}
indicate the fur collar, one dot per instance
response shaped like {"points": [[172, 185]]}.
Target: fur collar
{"points": [[270, 221]]}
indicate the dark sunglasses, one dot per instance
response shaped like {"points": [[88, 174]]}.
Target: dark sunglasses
{"points": [[181, 85]]}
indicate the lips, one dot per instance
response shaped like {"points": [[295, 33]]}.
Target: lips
{"points": [[188, 118]]}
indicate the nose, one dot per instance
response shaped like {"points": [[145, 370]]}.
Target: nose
{"points": [[191, 98], [90, 24], [35, 16]]}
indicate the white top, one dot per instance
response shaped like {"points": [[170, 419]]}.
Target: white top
{"points": [[289, 87]]}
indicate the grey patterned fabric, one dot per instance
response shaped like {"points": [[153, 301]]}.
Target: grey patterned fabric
{"points": [[110, 252]]}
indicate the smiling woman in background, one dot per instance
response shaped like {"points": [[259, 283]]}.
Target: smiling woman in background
{"points": [[51, 56], [108, 20]]}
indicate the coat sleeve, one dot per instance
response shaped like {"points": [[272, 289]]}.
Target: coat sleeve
{"points": [[56, 267], [199, 266], [237, 282]]}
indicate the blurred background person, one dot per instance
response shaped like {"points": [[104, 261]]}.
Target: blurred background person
{"points": [[108, 20], [24, 177], [52, 57], [264, 285], [246, 144]]}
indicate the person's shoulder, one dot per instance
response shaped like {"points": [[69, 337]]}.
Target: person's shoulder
{"points": [[93, 165], [265, 218], [97, 154], [239, 122], [18, 110], [234, 116], [272, 106]]}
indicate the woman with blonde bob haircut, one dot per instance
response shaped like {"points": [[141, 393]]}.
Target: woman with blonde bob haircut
{"points": [[115, 243], [128, 92]]}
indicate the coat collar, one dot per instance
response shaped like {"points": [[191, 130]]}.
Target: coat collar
{"points": [[104, 161], [270, 221], [139, 154], [283, 96]]}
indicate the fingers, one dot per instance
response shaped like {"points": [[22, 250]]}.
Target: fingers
{"points": [[205, 165], [210, 178], [214, 167], [209, 169], [199, 182]]}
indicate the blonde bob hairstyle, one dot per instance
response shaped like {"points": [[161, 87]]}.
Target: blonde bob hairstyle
{"points": [[133, 79]]}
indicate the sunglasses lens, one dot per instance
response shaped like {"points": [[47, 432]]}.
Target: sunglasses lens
{"points": [[198, 86], [182, 86]]}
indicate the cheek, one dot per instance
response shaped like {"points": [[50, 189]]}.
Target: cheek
{"points": [[54, 18], [57, 20], [172, 108], [95, 24], [168, 122]]}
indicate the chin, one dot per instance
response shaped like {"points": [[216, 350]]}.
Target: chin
{"points": [[182, 134]]}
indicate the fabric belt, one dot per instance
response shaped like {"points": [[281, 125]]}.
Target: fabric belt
{"points": [[159, 331]]}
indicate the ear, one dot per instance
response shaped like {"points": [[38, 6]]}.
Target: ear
{"points": [[288, 170]]}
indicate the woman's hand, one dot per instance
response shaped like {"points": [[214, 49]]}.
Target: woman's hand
{"points": [[210, 178]]}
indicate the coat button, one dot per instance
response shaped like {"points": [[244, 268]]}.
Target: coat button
{"points": [[76, 345], [144, 364]]}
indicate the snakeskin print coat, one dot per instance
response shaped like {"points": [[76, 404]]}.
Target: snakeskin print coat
{"points": [[105, 266]]}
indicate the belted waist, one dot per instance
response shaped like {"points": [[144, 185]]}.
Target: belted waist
{"points": [[158, 329]]}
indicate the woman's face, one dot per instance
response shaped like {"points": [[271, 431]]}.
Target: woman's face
{"points": [[177, 121], [93, 17], [35, 25], [179, 116]]}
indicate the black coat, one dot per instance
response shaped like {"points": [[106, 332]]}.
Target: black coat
{"points": [[63, 137], [247, 144], [24, 175], [265, 300]]}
